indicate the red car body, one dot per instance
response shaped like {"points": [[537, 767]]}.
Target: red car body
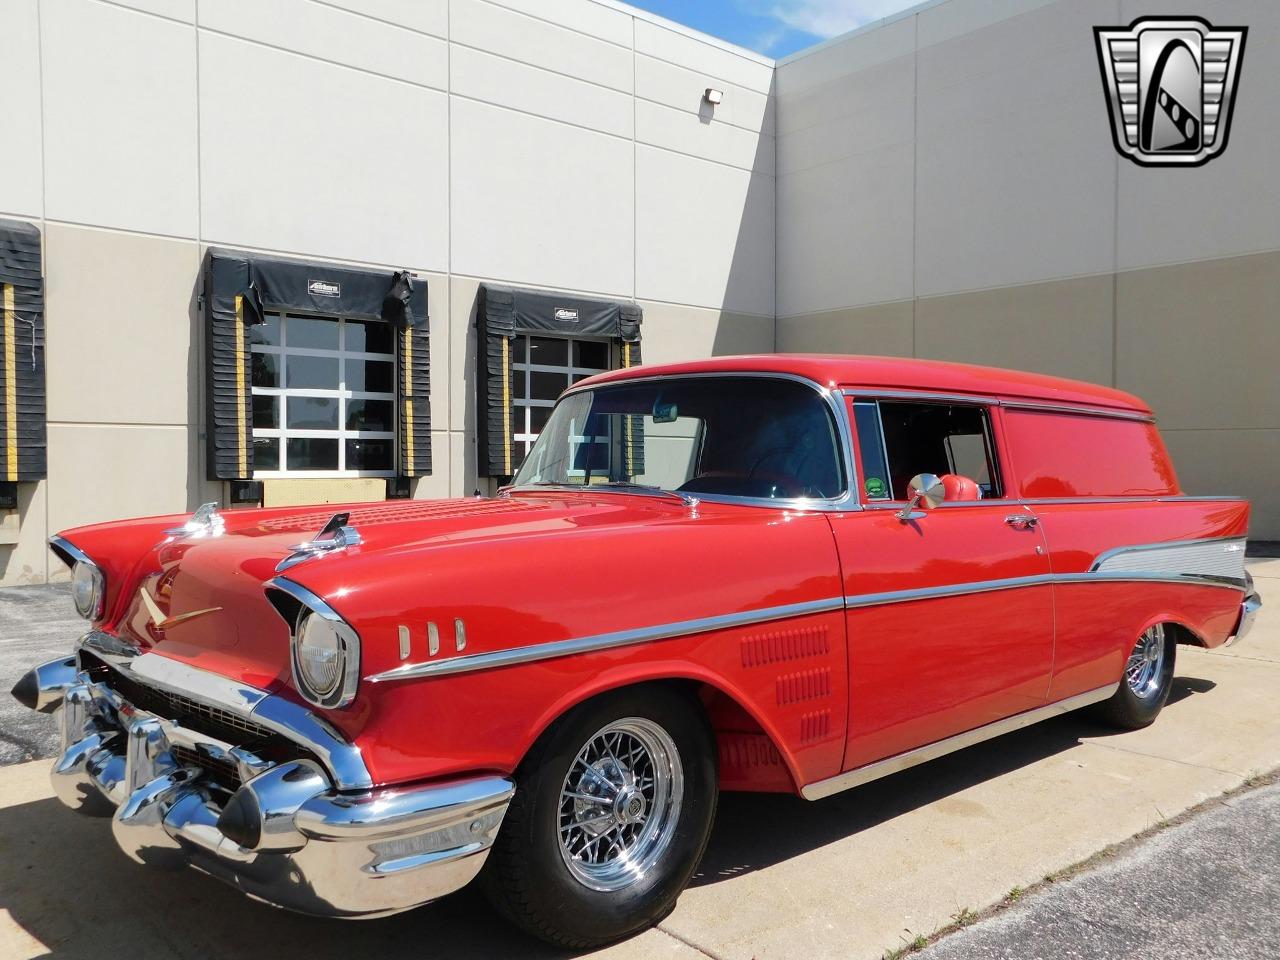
{"points": [[829, 644]]}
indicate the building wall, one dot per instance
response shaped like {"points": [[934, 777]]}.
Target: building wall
{"points": [[555, 143], [947, 188]]}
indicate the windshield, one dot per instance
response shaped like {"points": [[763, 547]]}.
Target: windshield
{"points": [[754, 437]]}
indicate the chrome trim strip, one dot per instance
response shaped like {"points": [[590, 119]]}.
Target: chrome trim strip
{"points": [[345, 692], [846, 502], [604, 641], [68, 552], [1217, 558], [911, 758], [1081, 410], [925, 396], [291, 720]]}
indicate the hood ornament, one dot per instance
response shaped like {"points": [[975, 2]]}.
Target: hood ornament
{"points": [[205, 522], [335, 535]]}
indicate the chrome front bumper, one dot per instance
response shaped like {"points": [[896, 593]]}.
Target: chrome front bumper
{"points": [[280, 832]]}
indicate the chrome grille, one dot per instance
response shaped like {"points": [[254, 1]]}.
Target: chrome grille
{"points": [[221, 772]]}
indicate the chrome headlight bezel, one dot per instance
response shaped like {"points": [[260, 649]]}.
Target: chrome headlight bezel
{"points": [[92, 605], [297, 605], [86, 574]]}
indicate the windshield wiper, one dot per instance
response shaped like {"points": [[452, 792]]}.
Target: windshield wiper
{"points": [[684, 498]]}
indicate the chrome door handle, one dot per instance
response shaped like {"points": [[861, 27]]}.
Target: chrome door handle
{"points": [[1022, 521]]}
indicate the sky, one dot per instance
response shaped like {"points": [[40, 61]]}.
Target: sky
{"points": [[774, 27]]}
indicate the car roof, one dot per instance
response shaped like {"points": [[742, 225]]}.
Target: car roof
{"points": [[898, 373]]}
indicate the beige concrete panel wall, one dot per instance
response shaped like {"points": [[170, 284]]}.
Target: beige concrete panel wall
{"points": [[268, 182], [883, 329], [123, 337], [99, 473], [1063, 328], [437, 485], [120, 118], [1232, 462], [430, 17], [1015, 173], [28, 560], [674, 333], [184, 10], [339, 36], [1201, 341], [584, 16], [1231, 205], [684, 50], [704, 233], [703, 135], [21, 177]]}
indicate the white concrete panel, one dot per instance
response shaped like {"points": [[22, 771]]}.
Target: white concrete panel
{"points": [[678, 87], [686, 51], [1232, 204], [947, 21], [852, 115], [426, 16], [585, 16], [704, 233], [1007, 191], [479, 24], [339, 36], [370, 187], [119, 118], [844, 58], [184, 10], [845, 233], [703, 137], [21, 183], [508, 83], [540, 202]]}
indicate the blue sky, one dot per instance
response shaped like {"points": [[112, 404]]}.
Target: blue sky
{"points": [[774, 27]]}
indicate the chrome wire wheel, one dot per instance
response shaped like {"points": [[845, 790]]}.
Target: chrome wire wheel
{"points": [[620, 804], [1145, 670]]}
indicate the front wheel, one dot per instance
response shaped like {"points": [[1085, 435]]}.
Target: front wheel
{"points": [[611, 815], [1148, 678]]}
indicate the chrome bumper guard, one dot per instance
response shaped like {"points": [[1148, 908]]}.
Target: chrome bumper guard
{"points": [[285, 836], [1249, 608]]}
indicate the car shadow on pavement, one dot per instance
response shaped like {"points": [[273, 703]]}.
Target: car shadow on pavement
{"points": [[68, 888], [739, 845]]}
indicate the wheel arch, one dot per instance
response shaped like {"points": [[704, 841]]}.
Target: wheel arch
{"points": [[713, 692]]}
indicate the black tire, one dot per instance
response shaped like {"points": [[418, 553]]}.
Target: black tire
{"points": [[1130, 709], [527, 877]]}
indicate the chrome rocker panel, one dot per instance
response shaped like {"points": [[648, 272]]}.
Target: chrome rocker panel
{"points": [[299, 843]]}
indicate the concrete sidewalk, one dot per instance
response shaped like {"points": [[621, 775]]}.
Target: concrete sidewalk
{"points": [[848, 877]]}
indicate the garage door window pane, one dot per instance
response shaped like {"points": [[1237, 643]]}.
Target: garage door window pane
{"points": [[311, 453], [313, 413], [266, 412], [312, 333], [548, 352], [370, 415], [266, 454], [369, 336], [372, 376], [369, 454], [304, 372], [266, 370]]}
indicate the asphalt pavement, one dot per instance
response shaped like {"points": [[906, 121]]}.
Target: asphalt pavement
{"points": [[1208, 887], [36, 624]]}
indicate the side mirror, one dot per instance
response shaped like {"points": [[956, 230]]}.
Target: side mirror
{"points": [[925, 489]]}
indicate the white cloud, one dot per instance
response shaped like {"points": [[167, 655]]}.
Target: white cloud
{"points": [[828, 18]]}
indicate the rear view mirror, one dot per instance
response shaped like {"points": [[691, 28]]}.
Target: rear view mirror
{"points": [[665, 412], [925, 489]]}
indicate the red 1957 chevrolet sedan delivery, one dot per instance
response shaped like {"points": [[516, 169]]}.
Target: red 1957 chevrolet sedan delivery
{"points": [[774, 573]]}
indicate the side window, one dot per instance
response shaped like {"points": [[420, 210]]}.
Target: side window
{"points": [[899, 439]]}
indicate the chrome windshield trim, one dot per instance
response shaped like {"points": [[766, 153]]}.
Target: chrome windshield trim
{"points": [[903, 761], [292, 721], [604, 641], [834, 398]]}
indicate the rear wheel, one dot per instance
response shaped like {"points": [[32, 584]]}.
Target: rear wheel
{"points": [[611, 815], [1148, 678]]}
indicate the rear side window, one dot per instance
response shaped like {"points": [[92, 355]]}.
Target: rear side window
{"points": [[899, 439], [1064, 455]]}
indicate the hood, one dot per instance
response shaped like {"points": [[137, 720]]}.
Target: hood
{"points": [[202, 599]]}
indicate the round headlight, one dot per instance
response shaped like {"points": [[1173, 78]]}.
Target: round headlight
{"points": [[321, 656], [86, 589]]}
